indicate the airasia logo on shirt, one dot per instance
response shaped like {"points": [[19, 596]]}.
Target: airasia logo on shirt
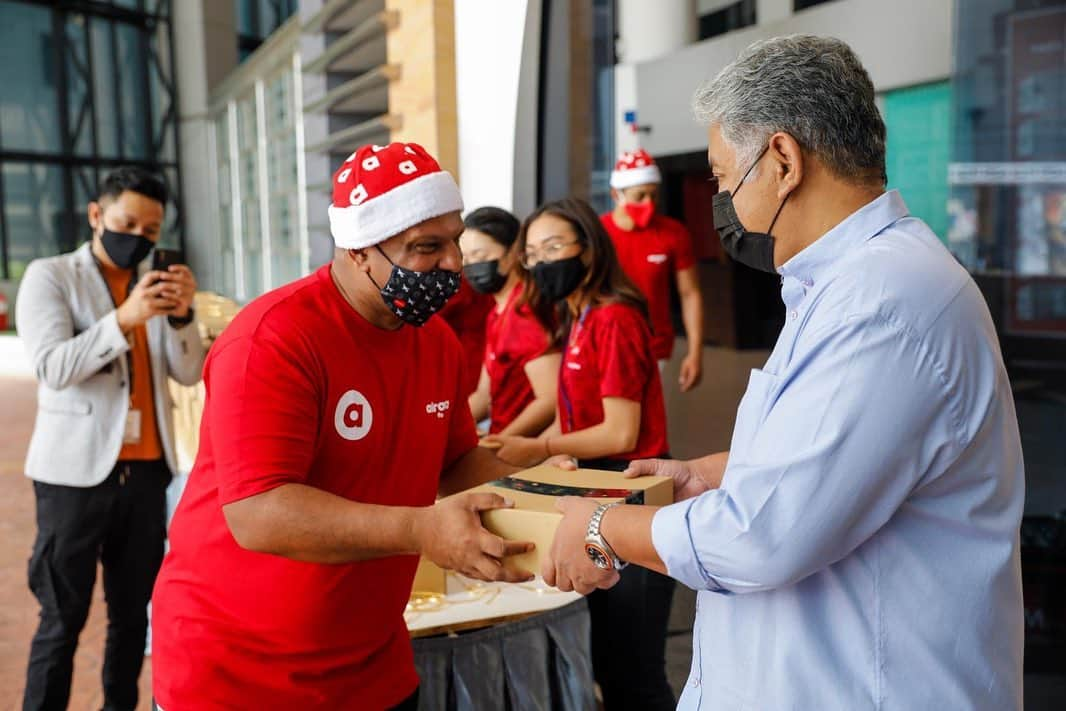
{"points": [[438, 408], [657, 258], [354, 416]]}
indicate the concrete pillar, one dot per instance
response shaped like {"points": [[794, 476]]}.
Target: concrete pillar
{"points": [[205, 49], [318, 168], [422, 44], [648, 30]]}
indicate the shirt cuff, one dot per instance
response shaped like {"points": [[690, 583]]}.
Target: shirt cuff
{"points": [[671, 534], [183, 321], [113, 341]]}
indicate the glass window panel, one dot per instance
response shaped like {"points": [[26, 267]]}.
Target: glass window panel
{"points": [[34, 214], [279, 102], [246, 18], [253, 249], [29, 103], [246, 133], [160, 74], [222, 159], [135, 109], [79, 85], [229, 261], [285, 251], [84, 180], [107, 120], [171, 236]]}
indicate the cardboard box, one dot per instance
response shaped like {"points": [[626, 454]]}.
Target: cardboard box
{"points": [[535, 491], [429, 578]]}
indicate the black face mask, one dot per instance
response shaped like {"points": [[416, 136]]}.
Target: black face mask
{"points": [[755, 249], [125, 250], [415, 296], [485, 277], [557, 280]]}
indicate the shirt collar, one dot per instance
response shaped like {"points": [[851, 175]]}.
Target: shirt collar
{"points": [[867, 222]]}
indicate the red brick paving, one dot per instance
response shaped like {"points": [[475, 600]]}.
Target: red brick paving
{"points": [[18, 609]]}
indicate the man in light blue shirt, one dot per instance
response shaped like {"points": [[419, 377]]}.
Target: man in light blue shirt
{"points": [[857, 547]]}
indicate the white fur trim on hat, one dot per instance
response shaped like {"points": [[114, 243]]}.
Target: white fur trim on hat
{"points": [[644, 175], [387, 215]]}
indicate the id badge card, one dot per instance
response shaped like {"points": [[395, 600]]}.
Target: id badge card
{"points": [[133, 427]]}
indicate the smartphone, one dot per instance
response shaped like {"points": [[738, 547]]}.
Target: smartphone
{"points": [[162, 259]]}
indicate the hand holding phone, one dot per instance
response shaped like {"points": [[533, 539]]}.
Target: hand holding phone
{"points": [[178, 283]]}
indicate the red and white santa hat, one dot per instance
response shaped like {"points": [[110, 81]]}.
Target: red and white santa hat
{"points": [[380, 191], [635, 168]]}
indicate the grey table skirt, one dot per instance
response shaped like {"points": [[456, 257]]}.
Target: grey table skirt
{"points": [[542, 663]]}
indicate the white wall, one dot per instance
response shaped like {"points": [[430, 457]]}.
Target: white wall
{"points": [[648, 30], [14, 361], [625, 99], [901, 43], [497, 53]]}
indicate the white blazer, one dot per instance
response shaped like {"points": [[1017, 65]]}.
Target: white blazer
{"points": [[66, 319]]}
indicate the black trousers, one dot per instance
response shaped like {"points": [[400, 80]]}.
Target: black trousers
{"points": [[122, 523], [629, 624], [408, 704]]}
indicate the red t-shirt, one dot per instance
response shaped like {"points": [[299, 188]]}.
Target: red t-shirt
{"points": [[513, 337], [466, 313], [608, 354], [650, 257], [302, 389]]}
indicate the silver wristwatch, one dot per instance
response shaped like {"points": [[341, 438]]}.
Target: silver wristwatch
{"points": [[596, 548]]}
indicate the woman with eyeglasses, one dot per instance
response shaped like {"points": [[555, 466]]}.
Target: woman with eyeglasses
{"points": [[610, 411], [518, 380]]}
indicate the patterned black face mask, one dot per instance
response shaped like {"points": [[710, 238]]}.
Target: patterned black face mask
{"points": [[415, 296]]}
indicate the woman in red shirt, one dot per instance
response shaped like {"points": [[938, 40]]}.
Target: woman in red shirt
{"points": [[519, 376], [610, 412]]}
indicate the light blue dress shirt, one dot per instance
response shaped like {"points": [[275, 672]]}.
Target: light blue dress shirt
{"points": [[862, 551]]}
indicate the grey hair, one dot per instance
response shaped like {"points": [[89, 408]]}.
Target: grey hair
{"points": [[812, 88]]}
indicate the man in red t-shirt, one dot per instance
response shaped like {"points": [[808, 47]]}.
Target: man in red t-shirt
{"points": [[329, 428], [653, 248]]}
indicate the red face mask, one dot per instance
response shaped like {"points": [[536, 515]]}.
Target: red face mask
{"points": [[640, 212]]}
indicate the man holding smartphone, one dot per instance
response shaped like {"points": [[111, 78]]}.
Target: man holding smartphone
{"points": [[104, 332]]}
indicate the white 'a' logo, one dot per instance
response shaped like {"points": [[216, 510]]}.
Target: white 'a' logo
{"points": [[354, 416]]}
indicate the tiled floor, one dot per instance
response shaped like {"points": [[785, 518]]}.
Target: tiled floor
{"points": [[18, 609], [700, 422]]}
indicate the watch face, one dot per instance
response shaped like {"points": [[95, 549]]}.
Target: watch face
{"points": [[598, 556]]}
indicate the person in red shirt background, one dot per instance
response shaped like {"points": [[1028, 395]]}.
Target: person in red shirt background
{"points": [[519, 376], [610, 412], [653, 249], [294, 547], [466, 313]]}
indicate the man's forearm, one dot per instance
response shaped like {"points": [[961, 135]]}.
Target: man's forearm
{"points": [[474, 468], [627, 529], [308, 524]]}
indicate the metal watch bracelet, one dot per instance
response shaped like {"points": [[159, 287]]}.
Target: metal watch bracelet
{"points": [[593, 535]]}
